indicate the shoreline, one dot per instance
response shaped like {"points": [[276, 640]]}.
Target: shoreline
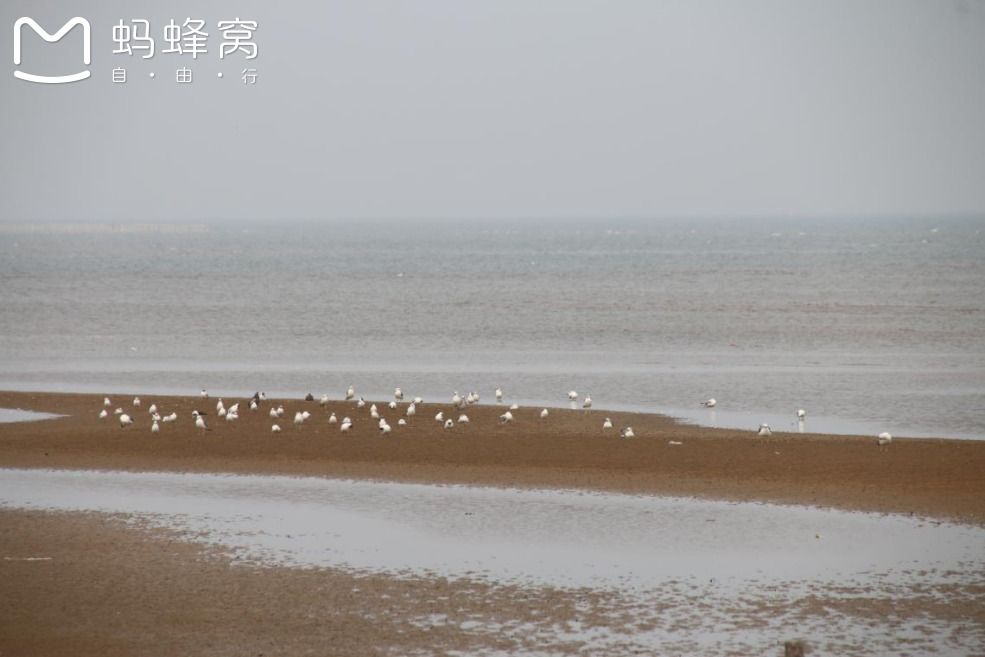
{"points": [[939, 478]]}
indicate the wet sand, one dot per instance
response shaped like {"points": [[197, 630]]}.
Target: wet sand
{"points": [[932, 477]]}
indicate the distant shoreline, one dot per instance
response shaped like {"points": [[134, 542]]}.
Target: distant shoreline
{"points": [[933, 477]]}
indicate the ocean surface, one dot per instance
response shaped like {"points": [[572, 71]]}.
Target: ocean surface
{"points": [[875, 325]]}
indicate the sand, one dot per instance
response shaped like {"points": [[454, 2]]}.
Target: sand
{"points": [[88, 584], [931, 477]]}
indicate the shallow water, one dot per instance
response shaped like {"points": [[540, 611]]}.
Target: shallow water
{"points": [[20, 415], [728, 559], [871, 325]]}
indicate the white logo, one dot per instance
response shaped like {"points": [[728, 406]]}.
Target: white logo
{"points": [[51, 38]]}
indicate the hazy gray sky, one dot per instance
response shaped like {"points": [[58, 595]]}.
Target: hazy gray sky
{"points": [[505, 108]]}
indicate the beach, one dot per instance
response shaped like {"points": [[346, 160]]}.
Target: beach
{"points": [[930, 477], [98, 583]]}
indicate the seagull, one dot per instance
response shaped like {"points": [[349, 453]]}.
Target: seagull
{"points": [[506, 418], [275, 428], [456, 399], [801, 415], [136, 401], [305, 414], [156, 417], [449, 424], [360, 403], [627, 433], [385, 429], [401, 422], [103, 413], [106, 401], [118, 411], [155, 428], [323, 400], [392, 405], [765, 430], [234, 409], [263, 396], [499, 395], [219, 405], [152, 409], [588, 402], [398, 394], [573, 395], [463, 419], [170, 418], [440, 417], [280, 411], [884, 438], [350, 393], [373, 413], [709, 403], [607, 424], [253, 405], [382, 422], [332, 419], [222, 412], [345, 426], [200, 423], [273, 413], [412, 409], [298, 419], [418, 400], [204, 394], [514, 407], [544, 414], [231, 417]]}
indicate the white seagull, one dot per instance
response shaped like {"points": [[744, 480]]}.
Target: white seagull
{"points": [[298, 420], [588, 402], [392, 405], [607, 424], [350, 393], [200, 423], [103, 413], [627, 433], [345, 426], [398, 394], [412, 409], [136, 401], [884, 438], [155, 428], [401, 422], [765, 430], [544, 414], [514, 407], [275, 428], [219, 405], [152, 409], [506, 418], [801, 415], [204, 394], [499, 395], [463, 419], [106, 401], [456, 399], [323, 400], [440, 417], [449, 424], [709, 403], [272, 413], [332, 419], [573, 395], [360, 403]]}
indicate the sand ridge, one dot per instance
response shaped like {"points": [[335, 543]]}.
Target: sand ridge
{"points": [[933, 477]]}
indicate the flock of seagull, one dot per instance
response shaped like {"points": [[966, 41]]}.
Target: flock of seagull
{"points": [[460, 403]]}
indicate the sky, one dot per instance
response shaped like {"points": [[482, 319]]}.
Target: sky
{"points": [[503, 109]]}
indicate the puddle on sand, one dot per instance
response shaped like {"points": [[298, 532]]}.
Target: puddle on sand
{"points": [[19, 415], [726, 561]]}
